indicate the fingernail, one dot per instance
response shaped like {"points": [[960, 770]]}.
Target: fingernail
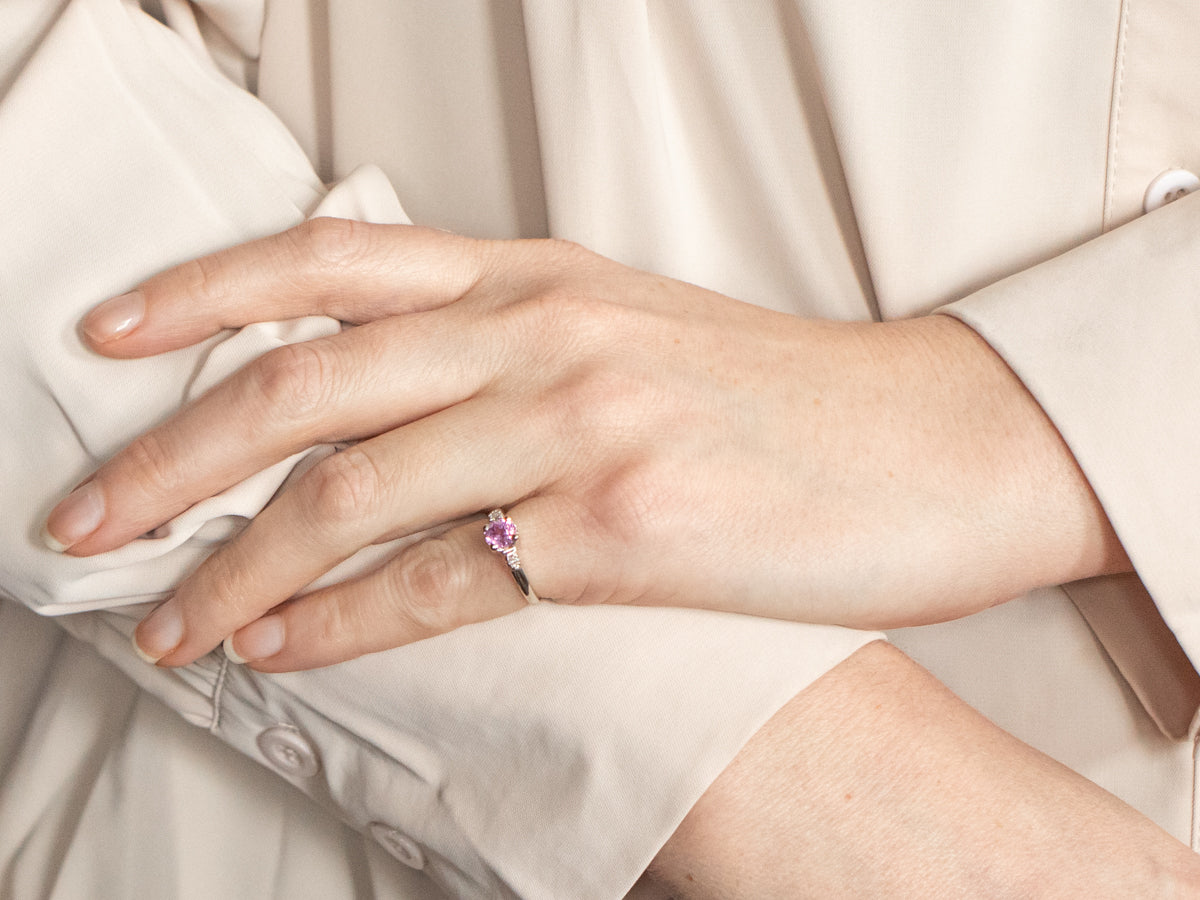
{"points": [[75, 517], [142, 654], [232, 655], [159, 633], [258, 640], [115, 318]]}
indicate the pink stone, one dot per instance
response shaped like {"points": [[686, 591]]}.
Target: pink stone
{"points": [[500, 535]]}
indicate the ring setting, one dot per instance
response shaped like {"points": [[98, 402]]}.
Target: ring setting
{"points": [[500, 534]]}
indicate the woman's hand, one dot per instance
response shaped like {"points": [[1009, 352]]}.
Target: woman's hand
{"points": [[656, 443]]}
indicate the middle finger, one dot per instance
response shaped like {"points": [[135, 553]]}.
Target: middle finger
{"points": [[356, 384]]}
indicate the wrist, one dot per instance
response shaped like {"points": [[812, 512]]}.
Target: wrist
{"points": [[1042, 521]]}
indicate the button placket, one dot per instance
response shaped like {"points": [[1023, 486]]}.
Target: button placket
{"points": [[399, 844]]}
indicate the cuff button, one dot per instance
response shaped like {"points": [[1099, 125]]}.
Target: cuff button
{"points": [[1169, 187]]}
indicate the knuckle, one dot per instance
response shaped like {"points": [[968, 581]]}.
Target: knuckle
{"points": [[344, 488], [569, 253], [294, 381], [562, 303], [222, 590], [636, 504], [560, 296], [329, 243], [154, 465], [563, 315], [428, 581], [469, 263], [201, 277], [598, 400], [340, 622]]}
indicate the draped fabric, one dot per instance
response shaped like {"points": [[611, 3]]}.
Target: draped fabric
{"points": [[851, 161]]}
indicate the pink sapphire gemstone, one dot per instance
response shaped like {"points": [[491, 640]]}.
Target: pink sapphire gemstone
{"points": [[500, 535]]}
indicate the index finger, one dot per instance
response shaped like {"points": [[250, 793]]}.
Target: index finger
{"points": [[353, 271]]}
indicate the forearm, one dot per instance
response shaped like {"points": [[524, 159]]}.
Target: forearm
{"points": [[876, 781]]}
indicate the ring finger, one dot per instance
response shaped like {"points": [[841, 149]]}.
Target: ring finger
{"points": [[429, 588], [435, 470]]}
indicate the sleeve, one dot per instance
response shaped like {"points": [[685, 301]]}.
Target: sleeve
{"points": [[1107, 339], [543, 755], [107, 794]]}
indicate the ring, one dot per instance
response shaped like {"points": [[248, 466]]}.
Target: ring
{"points": [[500, 534]]}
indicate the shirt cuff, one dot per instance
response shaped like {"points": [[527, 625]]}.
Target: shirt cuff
{"points": [[545, 754], [1107, 339]]}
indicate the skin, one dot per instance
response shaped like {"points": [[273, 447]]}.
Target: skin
{"points": [[655, 442], [876, 781]]}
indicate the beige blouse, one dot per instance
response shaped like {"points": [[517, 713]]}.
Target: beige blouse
{"points": [[851, 160]]}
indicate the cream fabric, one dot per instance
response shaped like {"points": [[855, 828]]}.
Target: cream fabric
{"points": [[546, 754], [107, 793], [847, 160]]}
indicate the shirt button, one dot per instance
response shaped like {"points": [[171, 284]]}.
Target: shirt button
{"points": [[288, 751], [399, 844], [1169, 187]]}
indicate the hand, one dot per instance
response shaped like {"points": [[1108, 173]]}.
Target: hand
{"points": [[656, 443]]}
